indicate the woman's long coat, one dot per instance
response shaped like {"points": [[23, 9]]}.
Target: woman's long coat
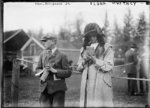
{"points": [[96, 84]]}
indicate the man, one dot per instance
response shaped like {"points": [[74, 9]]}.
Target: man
{"points": [[56, 69], [8, 65], [131, 57], [144, 70]]}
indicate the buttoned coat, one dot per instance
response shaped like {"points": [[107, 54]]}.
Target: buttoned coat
{"points": [[131, 57], [96, 84], [61, 64], [145, 67]]}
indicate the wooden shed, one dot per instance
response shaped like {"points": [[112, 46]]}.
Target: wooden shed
{"points": [[13, 41]]}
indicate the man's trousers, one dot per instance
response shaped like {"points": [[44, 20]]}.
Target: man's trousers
{"points": [[56, 99], [132, 85]]}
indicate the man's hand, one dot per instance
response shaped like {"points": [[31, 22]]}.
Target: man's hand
{"points": [[53, 70], [39, 73], [47, 68], [124, 71]]}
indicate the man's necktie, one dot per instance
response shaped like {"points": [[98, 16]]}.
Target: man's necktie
{"points": [[48, 55]]}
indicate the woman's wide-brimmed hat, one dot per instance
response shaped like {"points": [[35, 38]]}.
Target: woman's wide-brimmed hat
{"points": [[92, 29]]}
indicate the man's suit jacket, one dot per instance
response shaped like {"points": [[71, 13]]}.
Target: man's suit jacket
{"points": [[61, 64], [131, 57]]}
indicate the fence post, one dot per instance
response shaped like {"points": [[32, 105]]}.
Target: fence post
{"points": [[1, 54], [15, 82]]}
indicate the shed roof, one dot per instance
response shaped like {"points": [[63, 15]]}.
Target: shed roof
{"points": [[14, 40], [29, 41]]}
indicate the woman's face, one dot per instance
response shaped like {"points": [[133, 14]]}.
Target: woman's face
{"points": [[93, 39]]}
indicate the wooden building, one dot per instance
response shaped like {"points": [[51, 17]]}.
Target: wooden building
{"points": [[17, 44], [13, 41]]}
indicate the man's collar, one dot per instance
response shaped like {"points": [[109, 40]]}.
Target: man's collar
{"points": [[53, 50], [132, 49]]}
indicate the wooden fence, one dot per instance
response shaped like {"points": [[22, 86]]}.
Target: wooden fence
{"points": [[1, 52], [119, 80], [15, 82]]}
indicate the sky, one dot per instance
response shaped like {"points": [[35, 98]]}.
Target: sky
{"points": [[33, 16]]}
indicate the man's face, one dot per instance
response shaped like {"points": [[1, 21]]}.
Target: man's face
{"points": [[49, 44]]}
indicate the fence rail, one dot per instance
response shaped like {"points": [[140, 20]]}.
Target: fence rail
{"points": [[125, 78], [16, 74]]}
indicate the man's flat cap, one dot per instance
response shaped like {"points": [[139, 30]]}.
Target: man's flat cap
{"points": [[134, 45], [48, 37]]}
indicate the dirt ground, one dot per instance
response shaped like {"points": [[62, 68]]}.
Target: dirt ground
{"points": [[29, 93]]}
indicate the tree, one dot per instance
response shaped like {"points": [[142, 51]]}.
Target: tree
{"points": [[64, 34], [120, 46], [78, 24], [77, 34], [117, 32], [106, 27], [36, 34], [30, 33], [40, 33], [71, 31], [128, 26], [141, 28]]}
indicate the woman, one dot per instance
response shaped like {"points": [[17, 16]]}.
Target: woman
{"points": [[96, 63]]}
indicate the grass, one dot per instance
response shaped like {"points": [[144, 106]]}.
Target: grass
{"points": [[29, 93]]}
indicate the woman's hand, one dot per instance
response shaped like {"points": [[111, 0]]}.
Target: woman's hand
{"points": [[93, 58], [90, 57], [86, 55]]}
